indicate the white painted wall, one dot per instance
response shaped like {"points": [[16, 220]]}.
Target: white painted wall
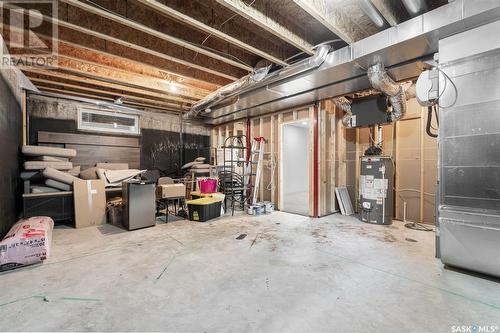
{"points": [[295, 169]]}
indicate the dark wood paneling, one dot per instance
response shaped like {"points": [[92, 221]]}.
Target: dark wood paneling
{"points": [[89, 155], [87, 139], [10, 139]]}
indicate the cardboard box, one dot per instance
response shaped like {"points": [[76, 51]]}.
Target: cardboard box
{"points": [[90, 203], [170, 191]]}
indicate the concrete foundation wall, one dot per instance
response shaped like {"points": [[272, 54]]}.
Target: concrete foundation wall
{"points": [[161, 147], [66, 109]]}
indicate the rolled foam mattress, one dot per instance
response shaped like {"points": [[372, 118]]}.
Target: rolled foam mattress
{"points": [[43, 189], [55, 184], [48, 151], [60, 176], [39, 165], [49, 159]]}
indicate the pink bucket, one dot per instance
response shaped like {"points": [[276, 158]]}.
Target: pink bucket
{"points": [[207, 185]]}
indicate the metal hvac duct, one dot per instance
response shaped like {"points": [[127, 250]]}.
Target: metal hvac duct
{"points": [[226, 91], [397, 94], [344, 70], [258, 79]]}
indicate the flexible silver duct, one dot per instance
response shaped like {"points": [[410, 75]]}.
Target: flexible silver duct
{"points": [[257, 79], [345, 105], [381, 81]]}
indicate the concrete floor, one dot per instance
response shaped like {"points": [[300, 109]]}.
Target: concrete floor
{"points": [[290, 273]]}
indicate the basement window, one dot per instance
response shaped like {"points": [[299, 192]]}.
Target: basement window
{"points": [[108, 122]]}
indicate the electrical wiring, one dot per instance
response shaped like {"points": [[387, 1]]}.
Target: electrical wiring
{"points": [[371, 136], [429, 123], [447, 78], [414, 225], [220, 26], [413, 190], [272, 166]]}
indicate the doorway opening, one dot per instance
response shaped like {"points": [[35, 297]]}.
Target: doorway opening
{"points": [[294, 167]]}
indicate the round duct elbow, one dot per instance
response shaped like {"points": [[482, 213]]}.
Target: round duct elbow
{"points": [[381, 81], [347, 120]]}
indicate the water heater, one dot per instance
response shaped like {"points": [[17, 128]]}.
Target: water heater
{"points": [[376, 189]]}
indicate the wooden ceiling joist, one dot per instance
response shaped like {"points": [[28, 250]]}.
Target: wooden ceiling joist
{"points": [[105, 73], [44, 82], [129, 73], [152, 32], [319, 11], [111, 99], [103, 85], [99, 58], [142, 49], [161, 8], [77, 28], [267, 23], [105, 58]]}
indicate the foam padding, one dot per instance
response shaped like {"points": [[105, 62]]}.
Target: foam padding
{"points": [[48, 151]]}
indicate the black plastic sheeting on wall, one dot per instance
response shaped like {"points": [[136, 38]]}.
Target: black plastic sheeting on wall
{"points": [[164, 151], [10, 163]]}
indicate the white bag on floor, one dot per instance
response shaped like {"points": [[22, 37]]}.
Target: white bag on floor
{"points": [[27, 242]]}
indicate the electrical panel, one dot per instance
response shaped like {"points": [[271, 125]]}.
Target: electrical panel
{"points": [[376, 189]]}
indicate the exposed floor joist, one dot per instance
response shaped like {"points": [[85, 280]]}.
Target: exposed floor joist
{"points": [[152, 32], [75, 88], [153, 4], [94, 63], [110, 61], [118, 41], [100, 97], [44, 82], [142, 49], [94, 70], [57, 76], [268, 24], [87, 53], [320, 13]]}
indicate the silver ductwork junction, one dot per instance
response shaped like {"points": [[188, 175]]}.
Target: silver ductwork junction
{"points": [[260, 78], [381, 81], [226, 91]]}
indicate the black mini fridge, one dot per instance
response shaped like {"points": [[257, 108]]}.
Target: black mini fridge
{"points": [[139, 204]]}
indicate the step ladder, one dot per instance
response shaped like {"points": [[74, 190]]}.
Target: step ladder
{"points": [[254, 167]]}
